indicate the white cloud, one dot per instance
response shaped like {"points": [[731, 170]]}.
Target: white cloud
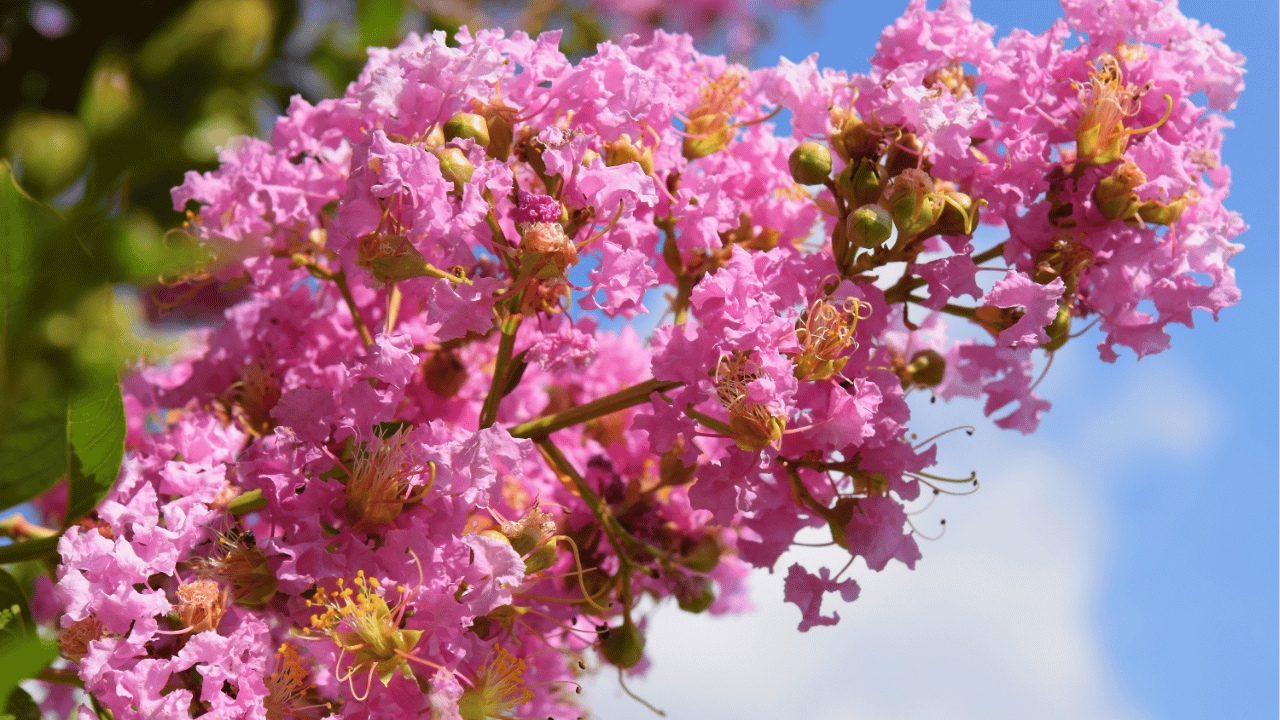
{"points": [[1000, 618]]}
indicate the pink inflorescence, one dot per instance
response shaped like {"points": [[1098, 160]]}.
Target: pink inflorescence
{"points": [[408, 476]]}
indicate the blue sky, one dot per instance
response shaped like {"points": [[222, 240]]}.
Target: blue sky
{"points": [[1121, 563]]}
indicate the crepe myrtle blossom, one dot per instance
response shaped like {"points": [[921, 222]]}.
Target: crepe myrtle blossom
{"points": [[410, 475]]}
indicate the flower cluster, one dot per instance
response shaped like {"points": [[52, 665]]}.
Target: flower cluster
{"points": [[410, 475]]}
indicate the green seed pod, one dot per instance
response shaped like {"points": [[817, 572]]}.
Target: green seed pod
{"points": [[467, 125], [810, 163], [624, 646], [869, 226]]}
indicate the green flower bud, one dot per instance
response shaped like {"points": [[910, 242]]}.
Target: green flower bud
{"points": [[810, 163], [467, 125], [867, 182], [754, 433], [1167, 214], [455, 167], [912, 203], [695, 596], [1114, 195], [869, 226], [1059, 329], [623, 151], [703, 556], [842, 251], [926, 368], [53, 149], [624, 645], [541, 558]]}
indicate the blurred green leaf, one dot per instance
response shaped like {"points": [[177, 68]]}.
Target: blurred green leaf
{"points": [[33, 448], [28, 550], [11, 595], [95, 447], [379, 21], [21, 658], [15, 254], [22, 652], [21, 706]]}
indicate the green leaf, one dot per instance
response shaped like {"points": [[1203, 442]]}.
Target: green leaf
{"points": [[15, 256], [33, 448], [22, 652], [379, 21], [29, 550], [95, 446], [10, 595], [21, 658], [21, 706]]}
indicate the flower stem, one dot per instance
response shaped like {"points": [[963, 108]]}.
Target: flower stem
{"points": [[340, 279], [600, 407], [501, 371]]}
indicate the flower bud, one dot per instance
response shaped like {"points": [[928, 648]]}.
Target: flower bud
{"points": [[869, 226], [1059, 329], [624, 646], [622, 151], [903, 154], [454, 167], [754, 434], [866, 182], [810, 163], [694, 594], [467, 125], [926, 369], [842, 251], [1114, 195], [703, 556], [856, 140], [1167, 214], [498, 122], [959, 214], [443, 373], [390, 258], [912, 203], [541, 558]]}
